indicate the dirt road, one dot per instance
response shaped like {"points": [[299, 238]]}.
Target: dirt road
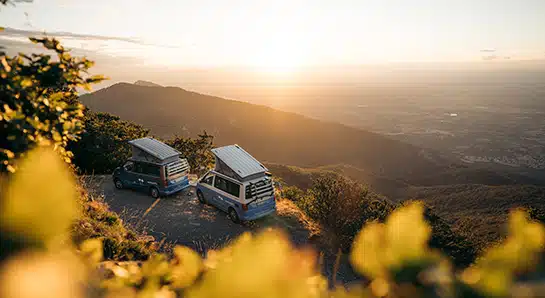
{"points": [[181, 219]]}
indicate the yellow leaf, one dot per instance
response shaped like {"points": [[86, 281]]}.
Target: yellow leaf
{"points": [[40, 203], [265, 265], [408, 233], [35, 275], [9, 154], [368, 251], [187, 265], [92, 250]]}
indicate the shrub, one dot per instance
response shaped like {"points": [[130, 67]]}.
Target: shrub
{"points": [[196, 151], [104, 143], [342, 205], [345, 206], [292, 193], [37, 101]]}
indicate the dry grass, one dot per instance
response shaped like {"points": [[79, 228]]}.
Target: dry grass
{"points": [[288, 209], [121, 242]]}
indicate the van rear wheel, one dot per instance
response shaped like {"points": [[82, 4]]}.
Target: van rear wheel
{"points": [[154, 192], [200, 196], [118, 184], [233, 215]]}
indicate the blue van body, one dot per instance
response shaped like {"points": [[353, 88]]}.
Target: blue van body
{"points": [[221, 191], [154, 167], [131, 176], [239, 185]]}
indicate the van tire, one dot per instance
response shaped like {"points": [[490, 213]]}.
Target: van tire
{"points": [[200, 196], [154, 192], [118, 184], [233, 215]]}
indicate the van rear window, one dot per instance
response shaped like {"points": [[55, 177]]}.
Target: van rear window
{"points": [[177, 167], [259, 188]]}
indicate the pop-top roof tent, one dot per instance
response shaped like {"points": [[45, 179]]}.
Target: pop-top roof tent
{"points": [[236, 163], [152, 150]]}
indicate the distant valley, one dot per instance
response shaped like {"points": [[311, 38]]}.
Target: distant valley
{"points": [[291, 139]]}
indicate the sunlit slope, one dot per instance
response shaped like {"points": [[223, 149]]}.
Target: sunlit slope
{"points": [[271, 135]]}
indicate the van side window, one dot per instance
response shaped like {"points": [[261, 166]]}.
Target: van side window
{"points": [[129, 166], [227, 186], [152, 170], [147, 169], [208, 180], [138, 168]]}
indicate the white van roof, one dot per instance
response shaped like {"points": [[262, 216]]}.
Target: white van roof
{"points": [[155, 148], [239, 161]]}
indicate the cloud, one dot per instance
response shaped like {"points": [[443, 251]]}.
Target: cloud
{"points": [[62, 34]]}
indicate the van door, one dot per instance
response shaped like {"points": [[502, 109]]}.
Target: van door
{"points": [[207, 188], [128, 176], [228, 193], [139, 175]]}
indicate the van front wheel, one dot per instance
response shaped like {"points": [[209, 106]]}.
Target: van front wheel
{"points": [[154, 192], [233, 215]]}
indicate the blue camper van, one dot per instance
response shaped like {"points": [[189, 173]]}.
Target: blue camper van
{"points": [[239, 185], [154, 167]]}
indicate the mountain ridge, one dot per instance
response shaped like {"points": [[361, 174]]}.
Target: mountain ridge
{"points": [[271, 135]]}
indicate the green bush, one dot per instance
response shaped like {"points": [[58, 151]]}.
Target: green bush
{"points": [[345, 206], [104, 143], [341, 204], [38, 103], [196, 151]]}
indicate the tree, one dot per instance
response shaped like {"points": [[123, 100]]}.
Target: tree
{"points": [[104, 143], [38, 103], [342, 205], [196, 151]]}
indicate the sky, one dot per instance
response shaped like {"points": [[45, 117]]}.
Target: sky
{"points": [[283, 35]]}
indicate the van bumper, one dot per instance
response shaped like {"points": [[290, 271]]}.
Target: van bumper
{"points": [[258, 215], [172, 189]]}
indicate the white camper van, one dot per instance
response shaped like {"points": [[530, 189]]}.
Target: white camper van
{"points": [[239, 185]]}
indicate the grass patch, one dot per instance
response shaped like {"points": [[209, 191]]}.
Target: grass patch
{"points": [[120, 242]]}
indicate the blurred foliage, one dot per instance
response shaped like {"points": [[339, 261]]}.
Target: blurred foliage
{"points": [[38, 103], [392, 256], [196, 151], [104, 143]]}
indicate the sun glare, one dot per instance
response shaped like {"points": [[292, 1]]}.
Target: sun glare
{"points": [[282, 57]]}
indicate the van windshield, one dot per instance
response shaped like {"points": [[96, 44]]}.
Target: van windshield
{"points": [[177, 168]]}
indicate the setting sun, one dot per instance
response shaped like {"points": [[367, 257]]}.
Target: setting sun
{"points": [[280, 52], [278, 60]]}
